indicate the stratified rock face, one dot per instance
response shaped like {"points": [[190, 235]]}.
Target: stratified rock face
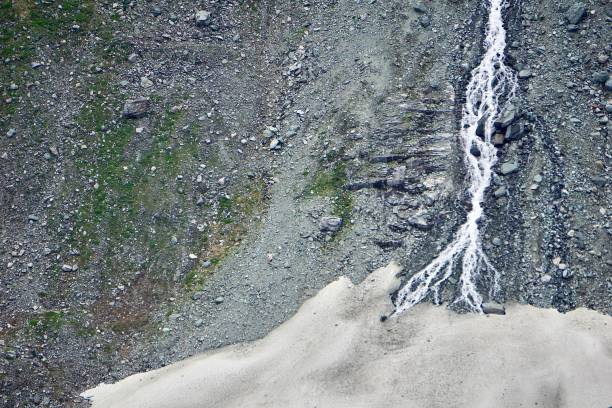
{"points": [[342, 344]]}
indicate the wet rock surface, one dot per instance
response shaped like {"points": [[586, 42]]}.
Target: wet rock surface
{"points": [[261, 120]]}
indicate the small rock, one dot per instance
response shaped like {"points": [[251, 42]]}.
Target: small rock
{"points": [[66, 268], [197, 296], [498, 139], [524, 74], [600, 77], [425, 21], [219, 300], [136, 108], [546, 278], [500, 192], [509, 168], [474, 151], [146, 82], [193, 256], [420, 223], [572, 28], [506, 118], [330, 224], [275, 144], [133, 58], [576, 13], [11, 133], [199, 323], [202, 18], [600, 182], [515, 131], [493, 308], [480, 128], [419, 8]]}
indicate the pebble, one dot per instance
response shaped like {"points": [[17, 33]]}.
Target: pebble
{"points": [[219, 300], [524, 74], [11, 133], [420, 223]]}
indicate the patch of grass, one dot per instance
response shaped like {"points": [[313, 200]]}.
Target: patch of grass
{"points": [[298, 34], [115, 196], [49, 322], [127, 193], [233, 216], [330, 183], [191, 277], [49, 20]]}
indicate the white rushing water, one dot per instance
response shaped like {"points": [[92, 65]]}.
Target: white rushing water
{"points": [[490, 81]]}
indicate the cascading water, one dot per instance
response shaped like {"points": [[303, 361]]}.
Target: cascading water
{"points": [[490, 81]]}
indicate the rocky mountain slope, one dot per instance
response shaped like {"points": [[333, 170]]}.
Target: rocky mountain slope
{"points": [[176, 176]]}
